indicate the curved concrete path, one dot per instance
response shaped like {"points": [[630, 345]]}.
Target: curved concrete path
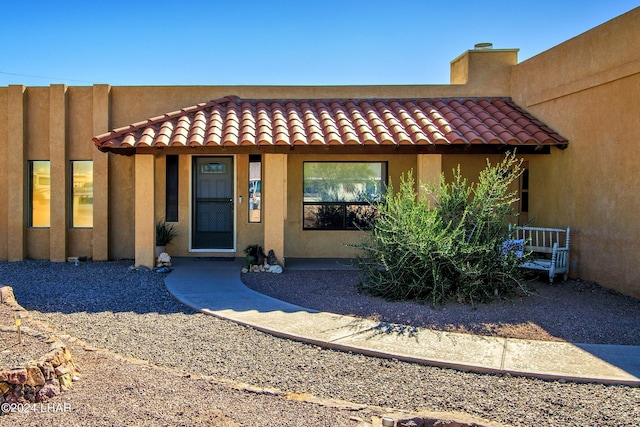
{"points": [[214, 287]]}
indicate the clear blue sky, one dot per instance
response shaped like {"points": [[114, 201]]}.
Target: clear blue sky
{"points": [[304, 42]]}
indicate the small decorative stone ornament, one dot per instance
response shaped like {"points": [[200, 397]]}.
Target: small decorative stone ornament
{"points": [[269, 264], [271, 258], [275, 269], [261, 256], [164, 259]]}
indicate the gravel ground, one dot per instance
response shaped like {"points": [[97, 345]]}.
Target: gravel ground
{"points": [[130, 313], [574, 311]]}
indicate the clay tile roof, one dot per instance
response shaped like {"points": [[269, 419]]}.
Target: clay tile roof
{"points": [[231, 121]]}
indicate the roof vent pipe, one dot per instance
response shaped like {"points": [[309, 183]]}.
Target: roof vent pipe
{"points": [[483, 46]]}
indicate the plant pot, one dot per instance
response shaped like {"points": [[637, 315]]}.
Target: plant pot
{"points": [[160, 249]]}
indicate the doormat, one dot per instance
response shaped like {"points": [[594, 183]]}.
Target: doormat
{"points": [[215, 258]]}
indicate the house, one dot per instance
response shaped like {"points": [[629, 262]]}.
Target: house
{"points": [[90, 170]]}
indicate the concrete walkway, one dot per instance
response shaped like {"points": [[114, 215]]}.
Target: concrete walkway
{"points": [[214, 287]]}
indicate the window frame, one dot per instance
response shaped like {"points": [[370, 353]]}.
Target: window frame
{"points": [[343, 206], [31, 191], [255, 158], [172, 188], [72, 222]]}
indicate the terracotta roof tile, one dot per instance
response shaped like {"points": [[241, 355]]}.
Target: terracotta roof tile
{"points": [[232, 121]]}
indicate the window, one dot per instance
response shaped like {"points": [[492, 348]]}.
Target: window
{"points": [[255, 187], [39, 193], [523, 218], [82, 194], [171, 202], [338, 195]]}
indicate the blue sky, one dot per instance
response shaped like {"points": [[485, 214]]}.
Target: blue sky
{"points": [[320, 42]]}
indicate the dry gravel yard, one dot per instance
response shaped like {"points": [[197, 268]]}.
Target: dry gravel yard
{"points": [[574, 311], [167, 365]]}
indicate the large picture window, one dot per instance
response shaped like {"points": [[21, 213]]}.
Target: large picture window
{"points": [[40, 193], [339, 195], [82, 189]]}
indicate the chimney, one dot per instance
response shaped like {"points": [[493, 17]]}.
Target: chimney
{"points": [[485, 68]]}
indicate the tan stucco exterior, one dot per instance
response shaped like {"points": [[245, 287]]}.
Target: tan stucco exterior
{"points": [[587, 89]]}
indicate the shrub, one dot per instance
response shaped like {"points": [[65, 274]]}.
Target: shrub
{"points": [[165, 233], [253, 253], [452, 249]]}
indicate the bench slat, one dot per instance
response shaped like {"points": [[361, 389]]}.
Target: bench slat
{"points": [[540, 240]]}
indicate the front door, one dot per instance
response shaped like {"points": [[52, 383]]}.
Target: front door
{"points": [[213, 225]]}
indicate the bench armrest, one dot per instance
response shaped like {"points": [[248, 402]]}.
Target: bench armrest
{"points": [[560, 256]]}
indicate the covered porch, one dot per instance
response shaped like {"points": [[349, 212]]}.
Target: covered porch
{"points": [[185, 151]]}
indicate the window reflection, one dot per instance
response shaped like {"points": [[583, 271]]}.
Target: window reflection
{"points": [[82, 209], [40, 212], [255, 187], [342, 195]]}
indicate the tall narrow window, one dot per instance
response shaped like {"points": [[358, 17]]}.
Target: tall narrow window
{"points": [[82, 194], [40, 193], [523, 218], [171, 203], [255, 187]]}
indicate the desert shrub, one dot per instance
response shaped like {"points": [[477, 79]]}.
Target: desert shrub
{"points": [[452, 249]]}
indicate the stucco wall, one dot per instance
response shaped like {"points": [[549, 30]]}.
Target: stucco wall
{"points": [[121, 206], [246, 233], [327, 244], [4, 189], [37, 122], [588, 89]]}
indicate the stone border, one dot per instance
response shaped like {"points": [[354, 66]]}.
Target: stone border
{"points": [[40, 379]]}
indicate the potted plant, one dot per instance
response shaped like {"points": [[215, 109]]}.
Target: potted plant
{"points": [[164, 235], [253, 253]]}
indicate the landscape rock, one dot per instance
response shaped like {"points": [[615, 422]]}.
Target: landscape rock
{"points": [[49, 390], [35, 376], [17, 376], [164, 259], [65, 382]]}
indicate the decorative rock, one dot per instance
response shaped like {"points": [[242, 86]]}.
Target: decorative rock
{"points": [[38, 380], [65, 382], [29, 393], [47, 370], [62, 369], [49, 390], [56, 356], [410, 423], [34, 375], [17, 376], [4, 388], [275, 269], [6, 294], [261, 257], [245, 270], [164, 258], [16, 395], [271, 258]]}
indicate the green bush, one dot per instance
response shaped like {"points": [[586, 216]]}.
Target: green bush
{"points": [[165, 233], [453, 249]]}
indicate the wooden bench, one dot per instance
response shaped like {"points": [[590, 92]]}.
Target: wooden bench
{"points": [[549, 248]]}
